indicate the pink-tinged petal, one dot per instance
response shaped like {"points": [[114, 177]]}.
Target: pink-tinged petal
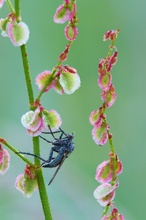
{"points": [[37, 132], [104, 172], [36, 124], [25, 185], [1, 3], [71, 32], [66, 1], [70, 69], [62, 15], [95, 117], [29, 172], [70, 82], [18, 33], [102, 63], [33, 123], [43, 78], [114, 215], [105, 201], [26, 119], [53, 119], [105, 81], [1, 154], [72, 8], [109, 97], [105, 193], [119, 167], [100, 134], [101, 67], [19, 183], [105, 217], [110, 35], [31, 119], [31, 187], [121, 217], [4, 160], [58, 88], [114, 58], [111, 61]]}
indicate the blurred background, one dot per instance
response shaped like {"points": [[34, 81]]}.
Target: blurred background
{"points": [[71, 193]]}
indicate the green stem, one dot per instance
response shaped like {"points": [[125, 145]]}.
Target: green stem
{"points": [[105, 210], [111, 143], [14, 150], [43, 193], [27, 75], [40, 179], [11, 8], [36, 147], [113, 156], [41, 183], [17, 9]]}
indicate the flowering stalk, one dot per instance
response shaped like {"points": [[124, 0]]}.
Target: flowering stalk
{"points": [[40, 180], [107, 171], [62, 78]]}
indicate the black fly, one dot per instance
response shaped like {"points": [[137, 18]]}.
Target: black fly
{"points": [[63, 146]]}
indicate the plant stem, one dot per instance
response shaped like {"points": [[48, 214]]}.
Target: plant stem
{"points": [[41, 183], [27, 75], [105, 210], [36, 147], [11, 8], [17, 9], [14, 150]]}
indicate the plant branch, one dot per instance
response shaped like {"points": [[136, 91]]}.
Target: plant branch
{"points": [[27, 75]]}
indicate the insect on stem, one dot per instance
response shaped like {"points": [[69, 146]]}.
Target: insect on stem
{"points": [[63, 146]]}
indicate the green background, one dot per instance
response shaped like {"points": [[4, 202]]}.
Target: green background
{"points": [[71, 194]]}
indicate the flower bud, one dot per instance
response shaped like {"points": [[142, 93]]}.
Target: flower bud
{"points": [[110, 35], [105, 81], [71, 32]]}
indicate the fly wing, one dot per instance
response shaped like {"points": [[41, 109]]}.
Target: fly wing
{"points": [[58, 168]]}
